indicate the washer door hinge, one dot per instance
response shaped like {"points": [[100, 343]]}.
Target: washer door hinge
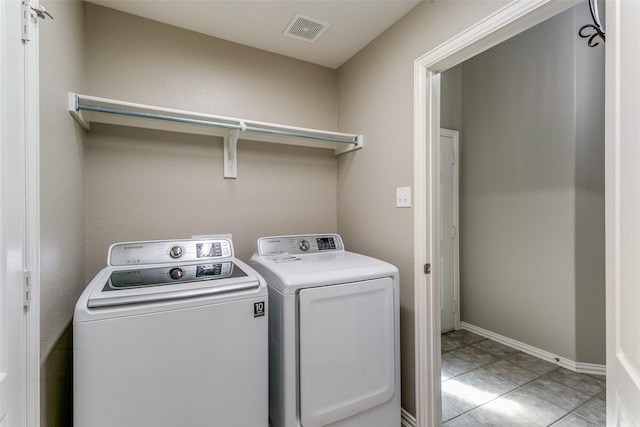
{"points": [[427, 269], [27, 288]]}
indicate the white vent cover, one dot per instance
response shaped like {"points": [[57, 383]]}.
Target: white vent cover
{"points": [[305, 28]]}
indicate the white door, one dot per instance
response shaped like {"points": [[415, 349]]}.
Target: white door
{"points": [[347, 350], [623, 212], [12, 218], [450, 301]]}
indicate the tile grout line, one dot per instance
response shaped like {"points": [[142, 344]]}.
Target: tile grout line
{"points": [[506, 357]]}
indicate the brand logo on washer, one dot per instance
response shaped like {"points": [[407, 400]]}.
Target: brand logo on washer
{"points": [[133, 247], [258, 309]]}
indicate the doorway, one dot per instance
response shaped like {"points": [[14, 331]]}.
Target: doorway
{"points": [[509, 21], [533, 187], [532, 149]]}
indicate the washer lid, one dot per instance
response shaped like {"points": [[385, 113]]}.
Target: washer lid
{"points": [[164, 282], [289, 273]]}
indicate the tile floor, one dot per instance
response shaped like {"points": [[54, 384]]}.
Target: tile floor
{"points": [[485, 383]]}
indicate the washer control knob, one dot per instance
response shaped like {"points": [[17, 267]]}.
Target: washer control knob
{"points": [[176, 273], [303, 245], [176, 252]]}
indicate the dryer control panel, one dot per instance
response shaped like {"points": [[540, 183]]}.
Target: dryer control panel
{"points": [[299, 245], [168, 251]]}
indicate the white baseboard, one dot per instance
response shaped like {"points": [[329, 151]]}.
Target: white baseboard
{"points": [[590, 368], [584, 368], [407, 420]]}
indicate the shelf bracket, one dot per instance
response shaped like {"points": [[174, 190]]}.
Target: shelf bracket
{"points": [[76, 113], [231, 154]]}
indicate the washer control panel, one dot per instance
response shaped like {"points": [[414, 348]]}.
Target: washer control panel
{"points": [[298, 245], [168, 251]]}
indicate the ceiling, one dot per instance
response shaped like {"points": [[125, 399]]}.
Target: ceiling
{"points": [[261, 23]]}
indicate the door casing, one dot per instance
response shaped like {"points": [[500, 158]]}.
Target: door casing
{"points": [[20, 207]]}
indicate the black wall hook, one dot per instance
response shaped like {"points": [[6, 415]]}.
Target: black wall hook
{"points": [[591, 31]]}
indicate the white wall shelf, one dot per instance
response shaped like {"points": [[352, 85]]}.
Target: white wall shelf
{"points": [[87, 109]]}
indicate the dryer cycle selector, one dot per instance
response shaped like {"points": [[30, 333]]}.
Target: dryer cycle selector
{"points": [[304, 245], [176, 251], [176, 273]]}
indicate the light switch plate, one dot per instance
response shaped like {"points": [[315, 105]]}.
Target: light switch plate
{"points": [[403, 197]]}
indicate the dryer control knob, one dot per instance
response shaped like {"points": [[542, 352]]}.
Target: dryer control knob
{"points": [[304, 245], [176, 273], [176, 252]]}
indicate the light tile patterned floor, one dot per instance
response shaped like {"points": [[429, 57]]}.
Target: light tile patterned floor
{"points": [[485, 383]]}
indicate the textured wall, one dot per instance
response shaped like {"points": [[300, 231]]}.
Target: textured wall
{"points": [[62, 203], [375, 96], [140, 60], [145, 184], [62, 170]]}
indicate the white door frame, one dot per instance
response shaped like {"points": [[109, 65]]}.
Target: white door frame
{"points": [[22, 78], [621, 189], [32, 209], [513, 19]]}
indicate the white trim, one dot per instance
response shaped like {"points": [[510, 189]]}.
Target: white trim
{"points": [[623, 377], [426, 295], [612, 204], [590, 368], [32, 220], [406, 419], [23, 217], [584, 368], [514, 18]]}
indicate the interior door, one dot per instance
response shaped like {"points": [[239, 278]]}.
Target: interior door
{"points": [[450, 301], [623, 212], [347, 361], [12, 218]]}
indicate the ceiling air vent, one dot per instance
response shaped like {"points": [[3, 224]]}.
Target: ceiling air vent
{"points": [[305, 28]]}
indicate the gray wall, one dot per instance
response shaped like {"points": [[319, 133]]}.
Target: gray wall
{"points": [[589, 235], [451, 98], [62, 203], [153, 185], [375, 96], [532, 190]]}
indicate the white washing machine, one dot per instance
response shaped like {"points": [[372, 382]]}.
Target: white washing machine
{"points": [[172, 333], [333, 334]]}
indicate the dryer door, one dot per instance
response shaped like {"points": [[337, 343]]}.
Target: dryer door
{"points": [[346, 350]]}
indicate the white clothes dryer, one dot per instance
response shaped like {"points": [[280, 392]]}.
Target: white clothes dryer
{"points": [[172, 333], [334, 348]]}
